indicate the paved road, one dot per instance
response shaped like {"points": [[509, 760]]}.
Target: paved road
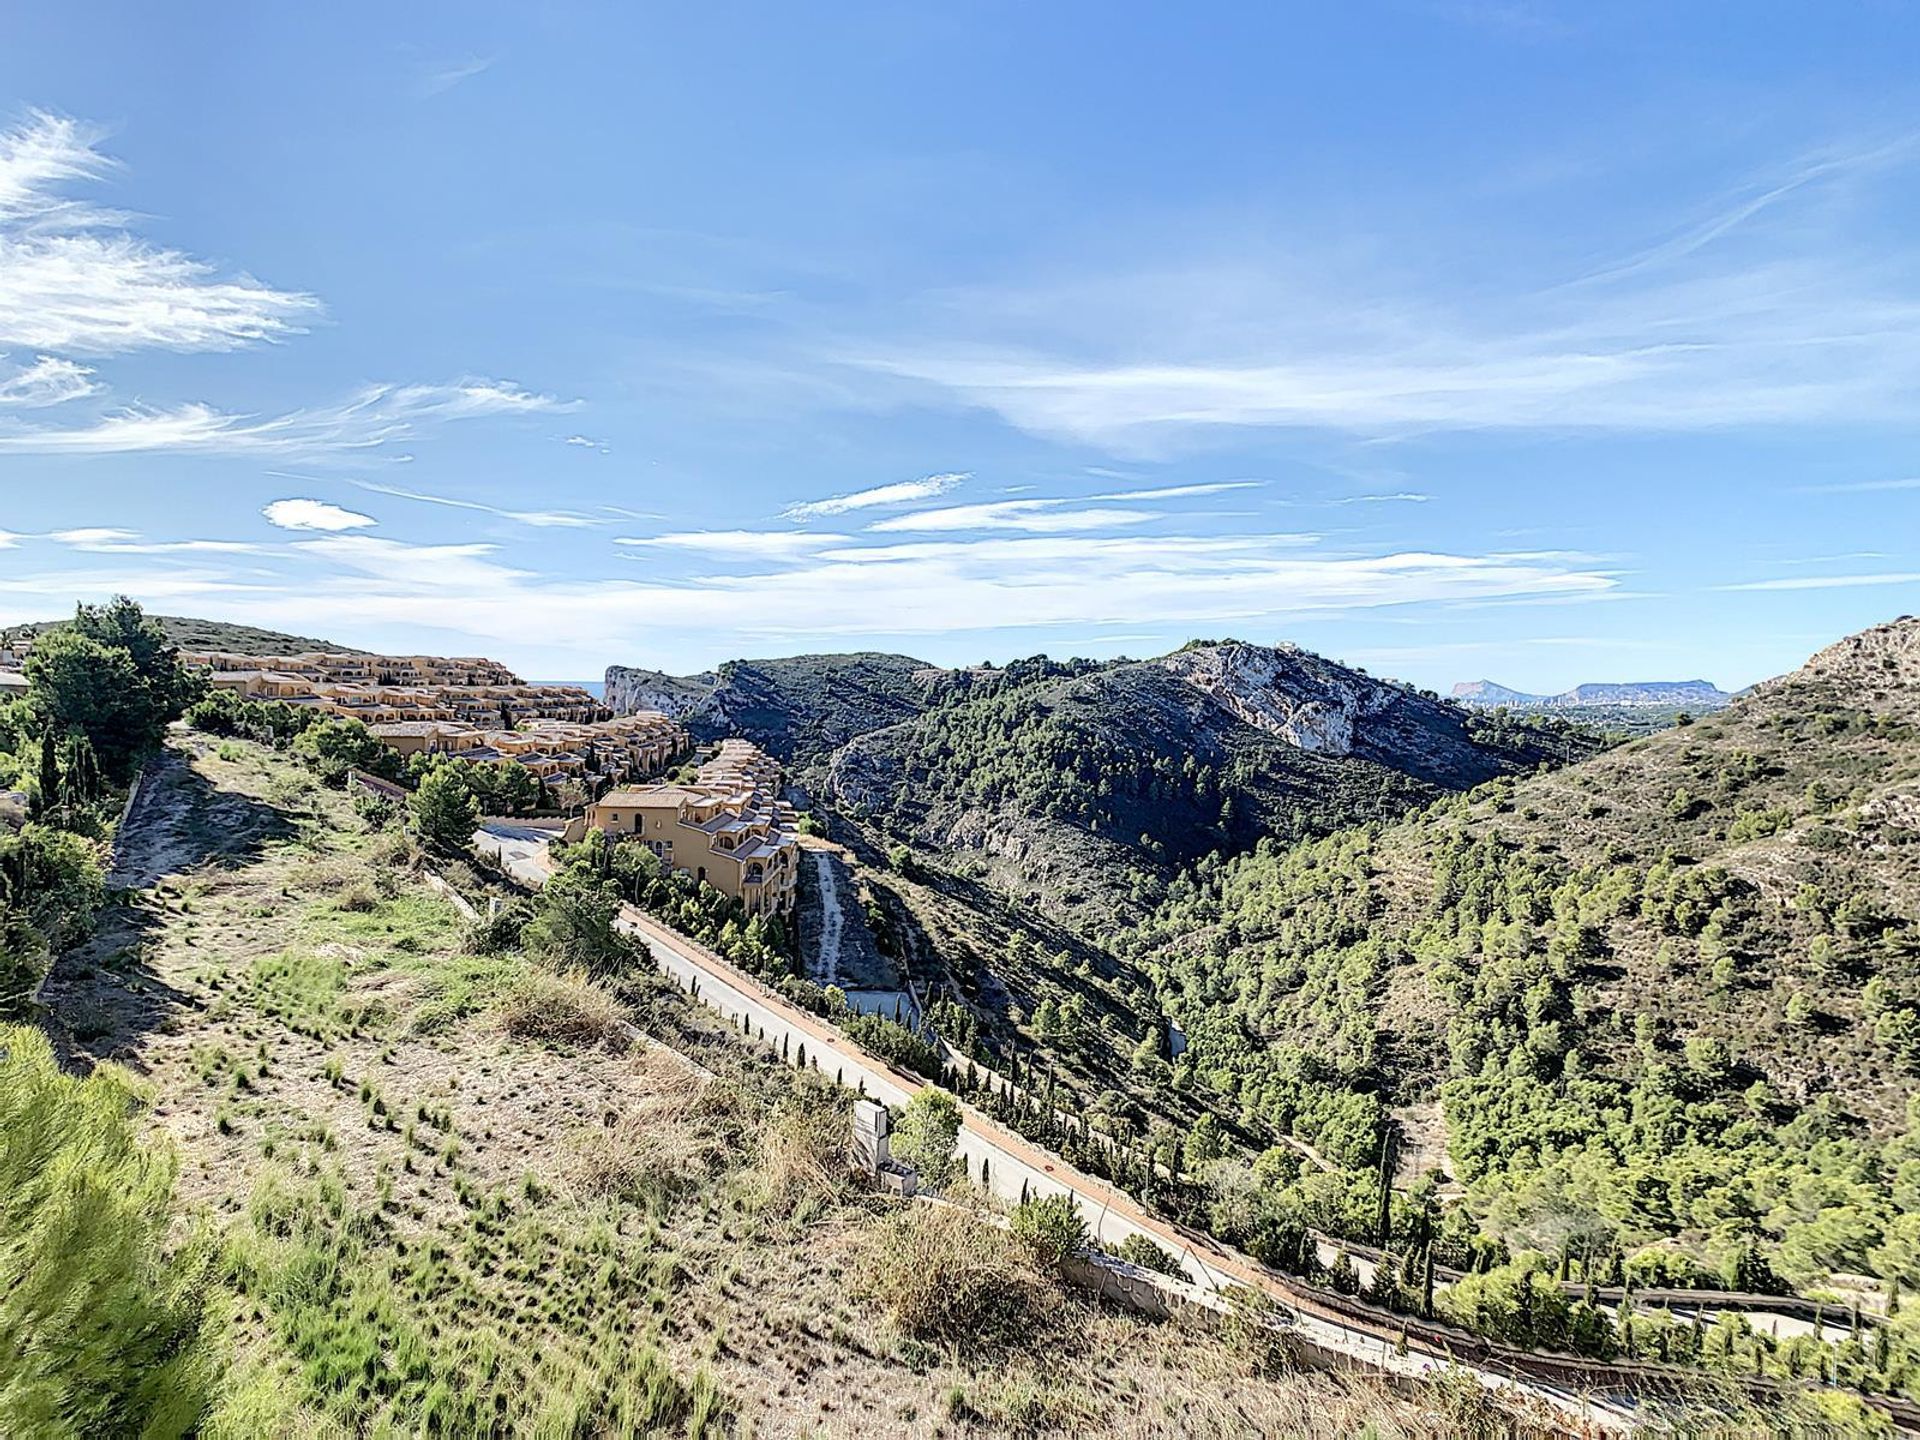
{"points": [[1003, 1162]]}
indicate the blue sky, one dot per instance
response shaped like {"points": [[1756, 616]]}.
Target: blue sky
{"points": [[1544, 343]]}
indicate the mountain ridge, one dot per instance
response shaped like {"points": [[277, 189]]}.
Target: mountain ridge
{"points": [[1699, 694], [1082, 781]]}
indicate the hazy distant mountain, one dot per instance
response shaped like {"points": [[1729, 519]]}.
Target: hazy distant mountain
{"points": [[1689, 694]]}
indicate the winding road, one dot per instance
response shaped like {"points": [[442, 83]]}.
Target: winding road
{"points": [[1012, 1167]]}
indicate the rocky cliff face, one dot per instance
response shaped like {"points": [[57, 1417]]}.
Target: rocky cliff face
{"points": [[1327, 708], [629, 690], [797, 708], [1285, 691]]}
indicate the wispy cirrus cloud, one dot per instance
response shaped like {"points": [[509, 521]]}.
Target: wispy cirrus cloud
{"points": [[1045, 515], [74, 278], [375, 416], [49, 380], [1181, 492], [1866, 487], [1776, 307], [540, 519], [112, 540], [439, 76], [901, 493], [1827, 582]]}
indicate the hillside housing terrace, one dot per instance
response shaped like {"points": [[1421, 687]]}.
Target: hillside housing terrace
{"points": [[729, 828], [623, 748]]}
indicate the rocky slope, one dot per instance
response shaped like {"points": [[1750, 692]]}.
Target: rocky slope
{"points": [[797, 708], [1668, 994], [1083, 783]]}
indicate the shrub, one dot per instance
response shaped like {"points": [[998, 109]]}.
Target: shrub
{"points": [[101, 1330], [442, 811], [1141, 1251], [572, 925], [944, 1274], [567, 1009], [1051, 1227], [929, 1126]]}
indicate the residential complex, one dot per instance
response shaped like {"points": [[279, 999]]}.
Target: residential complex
{"points": [[473, 708], [622, 748], [728, 828]]}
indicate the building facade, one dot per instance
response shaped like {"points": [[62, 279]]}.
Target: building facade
{"points": [[728, 828]]}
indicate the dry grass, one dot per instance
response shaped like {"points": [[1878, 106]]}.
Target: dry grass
{"points": [[802, 1167], [671, 1141], [638, 1162], [942, 1273], [564, 1009]]}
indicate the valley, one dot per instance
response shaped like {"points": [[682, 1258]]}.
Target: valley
{"points": [[1461, 1040]]}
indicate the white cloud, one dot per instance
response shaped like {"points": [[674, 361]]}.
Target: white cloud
{"points": [[900, 493], [442, 75], [1867, 487], [1778, 308], [466, 597], [1176, 492], [375, 416], [299, 514], [584, 442], [1827, 582], [48, 381], [74, 278], [9, 539], [111, 540], [1036, 515], [770, 543], [542, 519]]}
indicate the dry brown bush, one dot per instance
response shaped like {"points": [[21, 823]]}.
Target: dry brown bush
{"points": [[563, 1009], [801, 1170], [942, 1273]]}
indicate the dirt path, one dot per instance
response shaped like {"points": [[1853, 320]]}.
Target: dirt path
{"points": [[833, 923]]}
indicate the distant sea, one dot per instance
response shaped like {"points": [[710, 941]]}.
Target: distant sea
{"points": [[595, 688]]}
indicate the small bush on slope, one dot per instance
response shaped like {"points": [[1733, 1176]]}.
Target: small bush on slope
{"points": [[101, 1331]]}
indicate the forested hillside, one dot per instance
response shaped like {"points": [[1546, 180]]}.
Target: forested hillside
{"points": [[189, 633], [797, 708], [1082, 786], [1671, 994]]}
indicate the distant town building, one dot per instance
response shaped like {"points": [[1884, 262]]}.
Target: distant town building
{"points": [[728, 828], [472, 708]]}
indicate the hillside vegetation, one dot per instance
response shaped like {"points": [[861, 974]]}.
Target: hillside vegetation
{"points": [[372, 1171], [1668, 997], [797, 708], [188, 633], [1083, 786]]}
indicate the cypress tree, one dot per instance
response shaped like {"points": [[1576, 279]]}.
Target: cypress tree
{"points": [[1383, 1217], [49, 771]]}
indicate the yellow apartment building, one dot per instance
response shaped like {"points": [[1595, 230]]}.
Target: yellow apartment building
{"points": [[728, 829]]}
